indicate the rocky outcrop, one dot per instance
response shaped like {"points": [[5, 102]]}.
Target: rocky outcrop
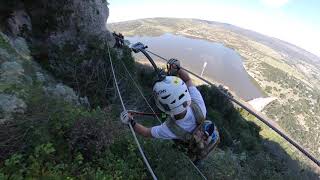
{"points": [[19, 22], [45, 24], [21, 76], [10, 104], [86, 17], [64, 92], [56, 21]]}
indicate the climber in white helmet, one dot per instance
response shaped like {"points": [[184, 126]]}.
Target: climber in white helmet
{"points": [[173, 95]]}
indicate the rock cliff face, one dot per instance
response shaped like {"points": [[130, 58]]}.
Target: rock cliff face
{"points": [[21, 76], [55, 20], [42, 23], [80, 18], [18, 22]]}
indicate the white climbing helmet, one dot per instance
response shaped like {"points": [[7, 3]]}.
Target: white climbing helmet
{"points": [[171, 95]]}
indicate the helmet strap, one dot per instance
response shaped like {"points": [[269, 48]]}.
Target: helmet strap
{"points": [[181, 115]]}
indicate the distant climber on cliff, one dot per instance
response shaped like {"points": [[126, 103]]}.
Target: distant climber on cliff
{"points": [[119, 40], [178, 97], [116, 37]]}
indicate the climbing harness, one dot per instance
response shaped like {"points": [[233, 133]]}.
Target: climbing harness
{"points": [[202, 140]]}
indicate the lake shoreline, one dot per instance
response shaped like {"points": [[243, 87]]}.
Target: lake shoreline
{"points": [[224, 65]]}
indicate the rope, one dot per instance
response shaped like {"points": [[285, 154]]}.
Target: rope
{"points": [[157, 55], [131, 128], [253, 112], [141, 93], [136, 85]]}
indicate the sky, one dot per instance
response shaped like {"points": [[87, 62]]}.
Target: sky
{"points": [[295, 21]]}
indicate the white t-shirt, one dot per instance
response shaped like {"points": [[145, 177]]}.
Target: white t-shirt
{"points": [[188, 122]]}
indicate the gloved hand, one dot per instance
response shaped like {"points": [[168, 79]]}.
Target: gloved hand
{"points": [[173, 66], [126, 118]]}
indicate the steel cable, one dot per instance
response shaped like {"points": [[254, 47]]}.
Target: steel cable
{"points": [[130, 126]]}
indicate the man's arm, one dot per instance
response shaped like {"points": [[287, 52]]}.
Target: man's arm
{"points": [[194, 92], [185, 77], [142, 130], [127, 118]]}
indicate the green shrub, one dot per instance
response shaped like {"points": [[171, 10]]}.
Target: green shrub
{"points": [[61, 140]]}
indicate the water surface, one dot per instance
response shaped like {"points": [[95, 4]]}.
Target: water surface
{"points": [[224, 65]]}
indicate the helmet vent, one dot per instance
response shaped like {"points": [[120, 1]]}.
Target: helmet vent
{"points": [[165, 97], [173, 102], [181, 96]]}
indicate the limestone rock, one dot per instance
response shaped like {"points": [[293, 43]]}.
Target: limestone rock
{"points": [[87, 17], [40, 77], [4, 55], [21, 47], [10, 104], [19, 74], [91, 15], [63, 92], [18, 22], [12, 73], [84, 101]]}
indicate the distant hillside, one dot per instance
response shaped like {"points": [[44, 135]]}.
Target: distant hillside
{"points": [[293, 52]]}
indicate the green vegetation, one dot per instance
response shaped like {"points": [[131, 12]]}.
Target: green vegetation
{"points": [[55, 139], [297, 116], [5, 44], [65, 141], [244, 150], [88, 72], [61, 141]]}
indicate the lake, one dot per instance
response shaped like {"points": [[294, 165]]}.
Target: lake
{"points": [[224, 65]]}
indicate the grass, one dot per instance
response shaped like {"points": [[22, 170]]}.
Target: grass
{"points": [[268, 134], [285, 68]]}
